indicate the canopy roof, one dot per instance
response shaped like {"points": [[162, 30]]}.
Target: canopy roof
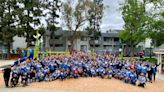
{"points": [[159, 50]]}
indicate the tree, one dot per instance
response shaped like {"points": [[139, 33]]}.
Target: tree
{"points": [[137, 23], [29, 15], [95, 19], [52, 6], [157, 32], [8, 19], [75, 16]]}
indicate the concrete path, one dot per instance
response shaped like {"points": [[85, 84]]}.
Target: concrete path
{"points": [[3, 63], [6, 62], [160, 76]]}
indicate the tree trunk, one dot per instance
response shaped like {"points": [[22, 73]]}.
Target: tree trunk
{"points": [[72, 43], [131, 50], [8, 50]]}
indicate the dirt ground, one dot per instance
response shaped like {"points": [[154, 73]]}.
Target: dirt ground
{"points": [[93, 85]]}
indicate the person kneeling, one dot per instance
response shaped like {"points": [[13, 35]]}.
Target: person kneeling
{"points": [[142, 80], [133, 78], [24, 79]]}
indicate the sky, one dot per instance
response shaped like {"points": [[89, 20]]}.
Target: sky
{"points": [[112, 18]]}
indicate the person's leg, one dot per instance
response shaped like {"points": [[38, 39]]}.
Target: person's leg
{"points": [[154, 76], [6, 82]]}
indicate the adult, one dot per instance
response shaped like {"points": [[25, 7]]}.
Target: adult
{"points": [[154, 70], [6, 75]]}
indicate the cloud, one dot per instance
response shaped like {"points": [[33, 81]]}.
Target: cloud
{"points": [[112, 18]]}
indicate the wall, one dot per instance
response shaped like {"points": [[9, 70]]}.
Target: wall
{"points": [[19, 42]]}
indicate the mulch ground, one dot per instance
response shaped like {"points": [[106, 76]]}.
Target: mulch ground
{"points": [[94, 85]]}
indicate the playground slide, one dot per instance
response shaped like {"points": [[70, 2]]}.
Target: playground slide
{"points": [[25, 57]]}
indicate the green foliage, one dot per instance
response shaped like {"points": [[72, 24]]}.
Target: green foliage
{"points": [[8, 17], [95, 18], [152, 60], [53, 6], [76, 16], [137, 22], [158, 37], [162, 60], [28, 16], [157, 34]]}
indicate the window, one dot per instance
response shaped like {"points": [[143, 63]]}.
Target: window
{"points": [[58, 45], [58, 37], [95, 45], [51, 45], [108, 47], [107, 39], [83, 47], [69, 46], [96, 38], [83, 38], [116, 39]]}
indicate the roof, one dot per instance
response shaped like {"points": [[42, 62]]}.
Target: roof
{"points": [[159, 50], [113, 33]]}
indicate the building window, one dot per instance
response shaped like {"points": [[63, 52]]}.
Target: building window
{"points": [[83, 47], [108, 47], [95, 45], [58, 37], [51, 45], [83, 38], [58, 45], [69, 46], [96, 38], [116, 39], [107, 39]]}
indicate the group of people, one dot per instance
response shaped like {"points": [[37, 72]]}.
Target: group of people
{"points": [[78, 65]]}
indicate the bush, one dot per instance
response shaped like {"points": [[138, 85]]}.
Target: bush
{"points": [[162, 60], [152, 60]]}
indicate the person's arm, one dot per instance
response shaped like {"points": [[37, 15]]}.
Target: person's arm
{"points": [[158, 64]]}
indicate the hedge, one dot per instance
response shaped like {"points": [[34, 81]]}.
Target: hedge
{"points": [[152, 60]]}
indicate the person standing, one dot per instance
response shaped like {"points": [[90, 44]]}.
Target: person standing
{"points": [[154, 70], [6, 75], [150, 73]]}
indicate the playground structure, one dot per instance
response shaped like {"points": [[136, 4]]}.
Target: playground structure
{"points": [[25, 57]]}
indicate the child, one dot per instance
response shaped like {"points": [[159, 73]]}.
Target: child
{"points": [[93, 72], [24, 79], [14, 79], [127, 76], [115, 73], [47, 78], [62, 74], [133, 78], [102, 72], [32, 75], [142, 80], [56, 74], [109, 73], [122, 72]]}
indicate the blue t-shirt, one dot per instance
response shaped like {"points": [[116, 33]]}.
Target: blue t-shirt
{"points": [[128, 73], [132, 76], [144, 69], [154, 69]]}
